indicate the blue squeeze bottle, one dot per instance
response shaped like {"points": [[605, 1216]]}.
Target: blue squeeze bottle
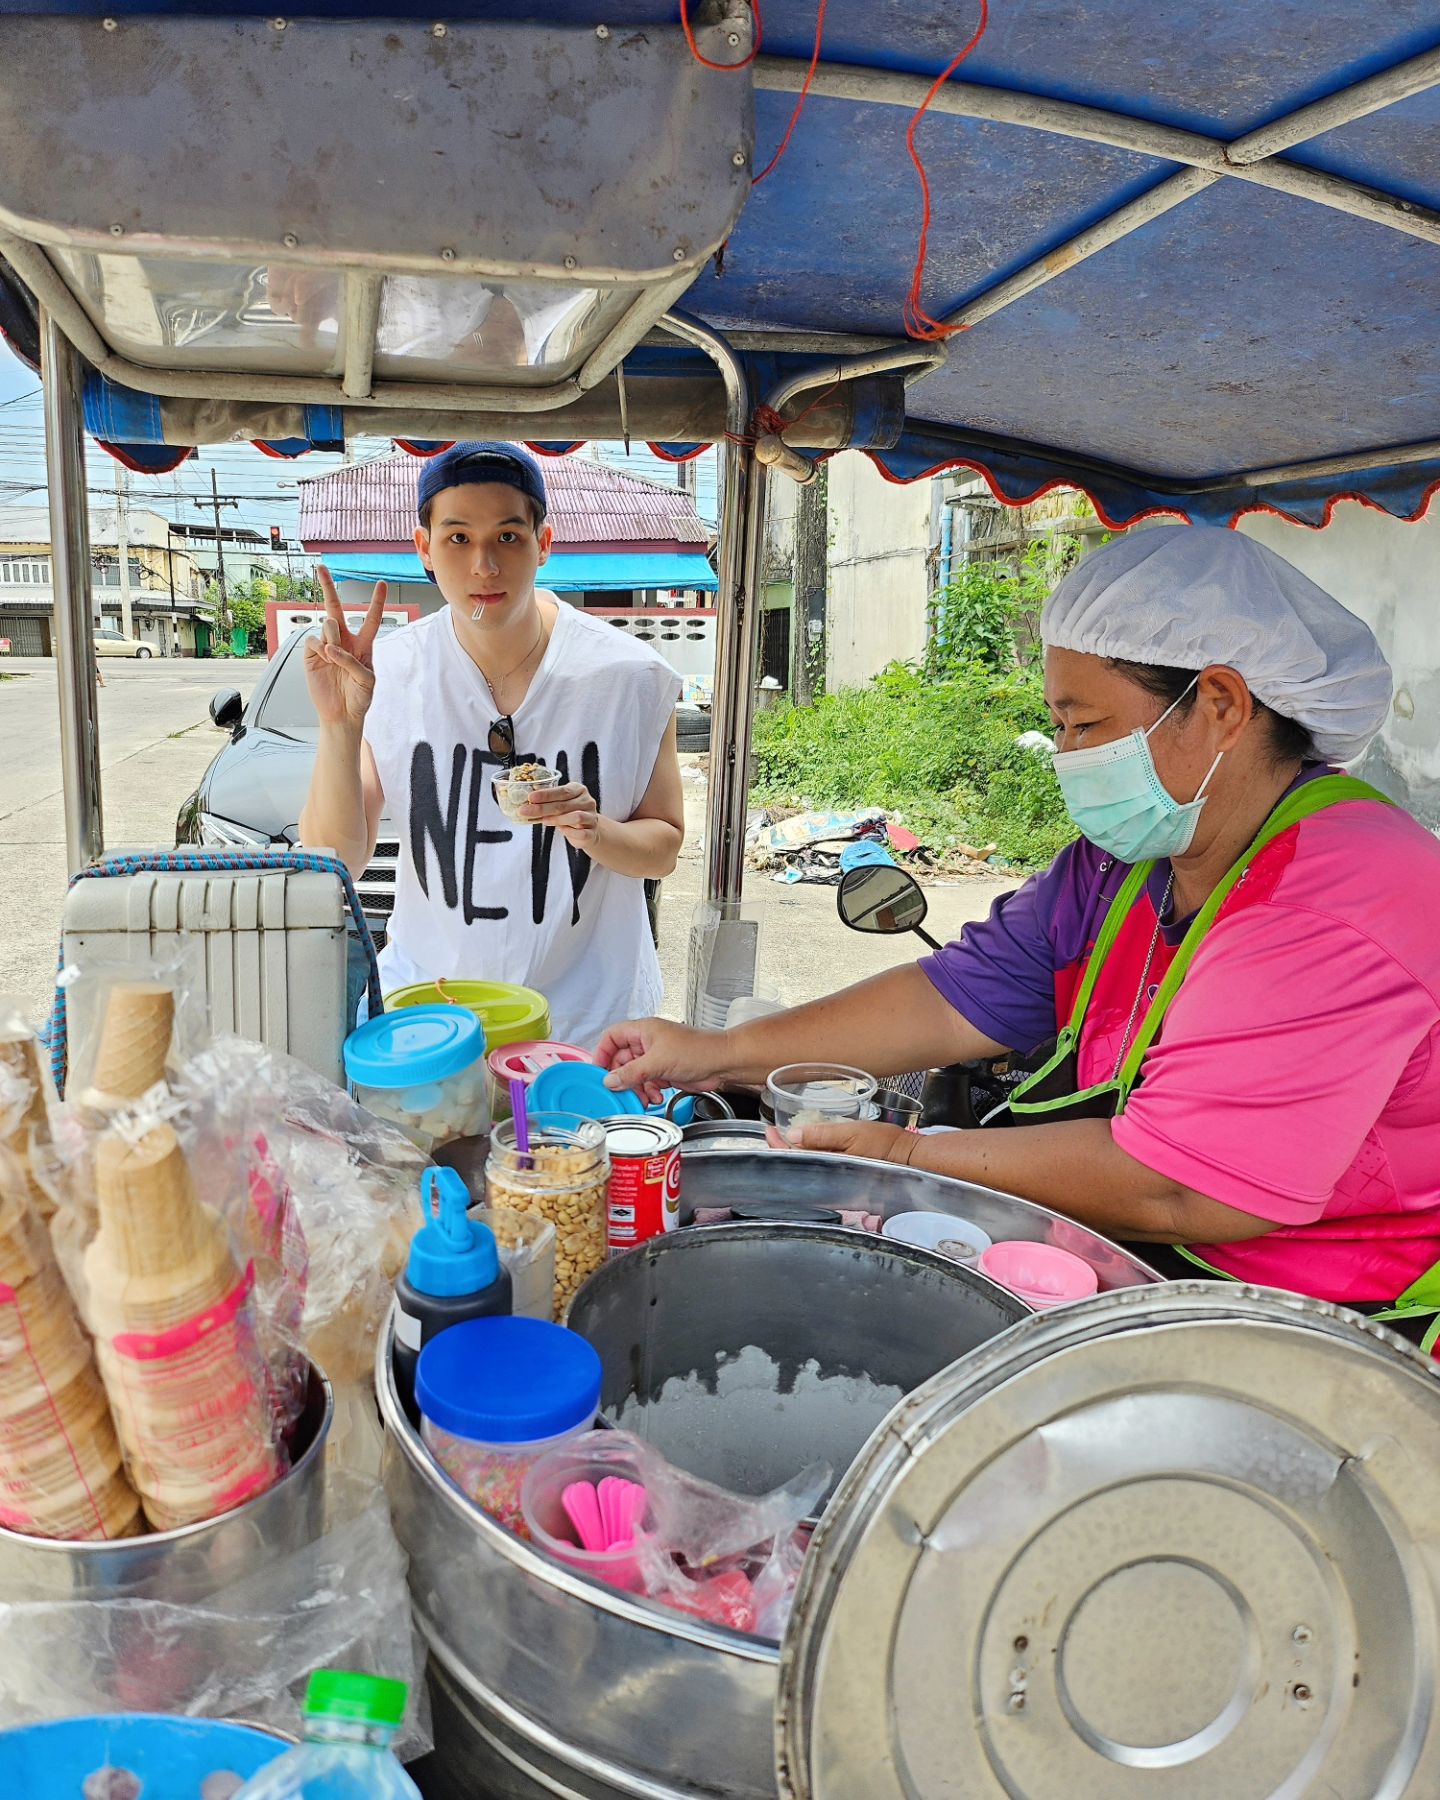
{"points": [[453, 1273]]}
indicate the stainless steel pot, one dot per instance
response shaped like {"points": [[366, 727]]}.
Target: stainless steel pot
{"points": [[183, 1566], [547, 1684], [730, 1177]]}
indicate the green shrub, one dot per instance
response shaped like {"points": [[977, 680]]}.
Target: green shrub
{"points": [[940, 750]]}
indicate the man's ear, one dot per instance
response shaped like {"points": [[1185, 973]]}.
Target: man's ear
{"points": [[422, 547], [545, 537]]}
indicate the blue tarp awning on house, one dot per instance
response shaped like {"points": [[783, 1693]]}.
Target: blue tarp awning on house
{"points": [[563, 574]]}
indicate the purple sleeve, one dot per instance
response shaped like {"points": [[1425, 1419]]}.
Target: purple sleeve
{"points": [[1000, 972]]}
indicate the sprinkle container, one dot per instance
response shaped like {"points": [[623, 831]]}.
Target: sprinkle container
{"points": [[423, 1069], [495, 1395]]}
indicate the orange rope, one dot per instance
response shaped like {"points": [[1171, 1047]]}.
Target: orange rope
{"points": [[704, 61], [799, 107], [918, 322]]}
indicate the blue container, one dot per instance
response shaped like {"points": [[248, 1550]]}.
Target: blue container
{"points": [[169, 1757]]}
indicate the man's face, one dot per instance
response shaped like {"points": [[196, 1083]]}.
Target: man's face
{"points": [[483, 548]]}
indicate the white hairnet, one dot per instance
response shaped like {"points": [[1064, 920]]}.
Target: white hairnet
{"points": [[1191, 595]]}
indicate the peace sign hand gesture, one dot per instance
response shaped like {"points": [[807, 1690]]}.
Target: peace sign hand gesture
{"points": [[340, 663]]}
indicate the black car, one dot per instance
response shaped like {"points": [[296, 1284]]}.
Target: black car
{"points": [[253, 791]]}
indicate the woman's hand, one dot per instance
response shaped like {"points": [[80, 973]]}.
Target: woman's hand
{"points": [[340, 663], [649, 1055], [572, 810], [859, 1137]]}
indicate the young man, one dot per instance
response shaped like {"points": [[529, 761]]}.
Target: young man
{"points": [[420, 724]]}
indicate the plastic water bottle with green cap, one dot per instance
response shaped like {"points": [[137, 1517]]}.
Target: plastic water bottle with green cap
{"points": [[350, 1721]]}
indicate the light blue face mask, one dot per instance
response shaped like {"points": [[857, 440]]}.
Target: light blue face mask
{"points": [[1118, 801]]}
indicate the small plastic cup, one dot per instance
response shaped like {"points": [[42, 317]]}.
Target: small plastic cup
{"points": [[517, 786], [548, 1524], [955, 1238], [1039, 1273], [804, 1094]]}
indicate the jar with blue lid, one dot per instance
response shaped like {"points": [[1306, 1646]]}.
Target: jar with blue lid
{"points": [[423, 1069]]}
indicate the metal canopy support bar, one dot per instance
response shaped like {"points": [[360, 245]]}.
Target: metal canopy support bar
{"points": [[1036, 112], [1399, 82], [74, 640], [737, 626], [362, 319]]}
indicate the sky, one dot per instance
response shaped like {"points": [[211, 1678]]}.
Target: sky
{"points": [[266, 491]]}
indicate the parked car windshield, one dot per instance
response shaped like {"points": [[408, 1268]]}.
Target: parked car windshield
{"points": [[286, 707]]}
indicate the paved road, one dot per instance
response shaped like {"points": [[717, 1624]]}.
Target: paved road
{"points": [[155, 739]]}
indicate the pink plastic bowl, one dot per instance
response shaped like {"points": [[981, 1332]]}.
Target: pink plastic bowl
{"points": [[1039, 1273]]}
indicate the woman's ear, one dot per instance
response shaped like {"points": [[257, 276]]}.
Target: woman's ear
{"points": [[1226, 698]]}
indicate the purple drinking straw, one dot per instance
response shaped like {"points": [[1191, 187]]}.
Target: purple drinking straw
{"points": [[521, 1117]]}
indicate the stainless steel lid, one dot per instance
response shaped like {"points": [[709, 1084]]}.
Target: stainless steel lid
{"points": [[1170, 1543]]}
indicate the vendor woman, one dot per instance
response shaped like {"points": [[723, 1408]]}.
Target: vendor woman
{"points": [[1243, 943]]}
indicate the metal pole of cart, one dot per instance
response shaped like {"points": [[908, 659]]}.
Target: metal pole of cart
{"points": [[70, 562], [737, 642]]}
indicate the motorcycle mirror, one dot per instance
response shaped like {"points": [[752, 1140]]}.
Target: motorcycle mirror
{"points": [[881, 898]]}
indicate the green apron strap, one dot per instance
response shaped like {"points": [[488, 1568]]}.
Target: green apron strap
{"points": [[1313, 797], [1422, 1296], [1109, 931]]}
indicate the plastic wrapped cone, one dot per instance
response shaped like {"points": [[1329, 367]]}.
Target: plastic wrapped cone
{"points": [[150, 1220], [25, 1125], [24, 1242], [134, 1044], [118, 1301]]}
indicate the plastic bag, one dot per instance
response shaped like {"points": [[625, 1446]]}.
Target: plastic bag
{"points": [[732, 1559], [244, 1651], [346, 1184], [127, 1025]]}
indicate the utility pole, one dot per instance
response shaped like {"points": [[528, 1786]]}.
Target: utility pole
{"points": [[220, 556], [812, 558], [122, 536]]}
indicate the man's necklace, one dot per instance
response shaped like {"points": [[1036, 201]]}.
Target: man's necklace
{"points": [[1144, 976], [495, 683]]}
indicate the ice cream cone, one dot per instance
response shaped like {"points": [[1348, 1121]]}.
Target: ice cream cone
{"points": [[134, 1042], [42, 1347], [24, 1244], [150, 1219], [78, 1511]]}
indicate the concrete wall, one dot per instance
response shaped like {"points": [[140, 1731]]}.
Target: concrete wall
{"points": [[880, 538], [1388, 572]]}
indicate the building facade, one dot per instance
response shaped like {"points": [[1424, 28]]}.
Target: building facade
{"points": [[167, 588]]}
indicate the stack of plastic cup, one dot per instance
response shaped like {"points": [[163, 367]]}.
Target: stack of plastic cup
{"points": [[60, 1467], [174, 1330]]}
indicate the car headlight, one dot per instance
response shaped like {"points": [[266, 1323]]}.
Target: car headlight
{"points": [[215, 830]]}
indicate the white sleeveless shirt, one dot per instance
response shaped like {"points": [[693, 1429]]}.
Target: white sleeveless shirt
{"points": [[479, 897]]}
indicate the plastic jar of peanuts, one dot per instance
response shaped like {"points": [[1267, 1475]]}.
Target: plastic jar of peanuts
{"points": [[564, 1176]]}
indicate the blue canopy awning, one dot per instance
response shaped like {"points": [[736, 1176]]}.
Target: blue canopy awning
{"points": [[614, 571]]}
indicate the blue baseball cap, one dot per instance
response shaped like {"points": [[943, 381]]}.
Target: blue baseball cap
{"points": [[463, 463]]}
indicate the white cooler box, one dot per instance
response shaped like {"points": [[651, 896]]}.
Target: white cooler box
{"points": [[274, 948]]}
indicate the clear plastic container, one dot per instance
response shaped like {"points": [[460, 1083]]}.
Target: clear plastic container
{"points": [[519, 785], [549, 1525], [350, 1722], [423, 1069], [495, 1395], [526, 1243], [817, 1094], [523, 1062], [564, 1177]]}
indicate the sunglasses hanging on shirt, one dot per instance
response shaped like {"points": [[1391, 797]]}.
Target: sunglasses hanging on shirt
{"points": [[502, 740]]}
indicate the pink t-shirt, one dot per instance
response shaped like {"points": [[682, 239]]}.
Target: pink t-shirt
{"points": [[1296, 1077]]}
